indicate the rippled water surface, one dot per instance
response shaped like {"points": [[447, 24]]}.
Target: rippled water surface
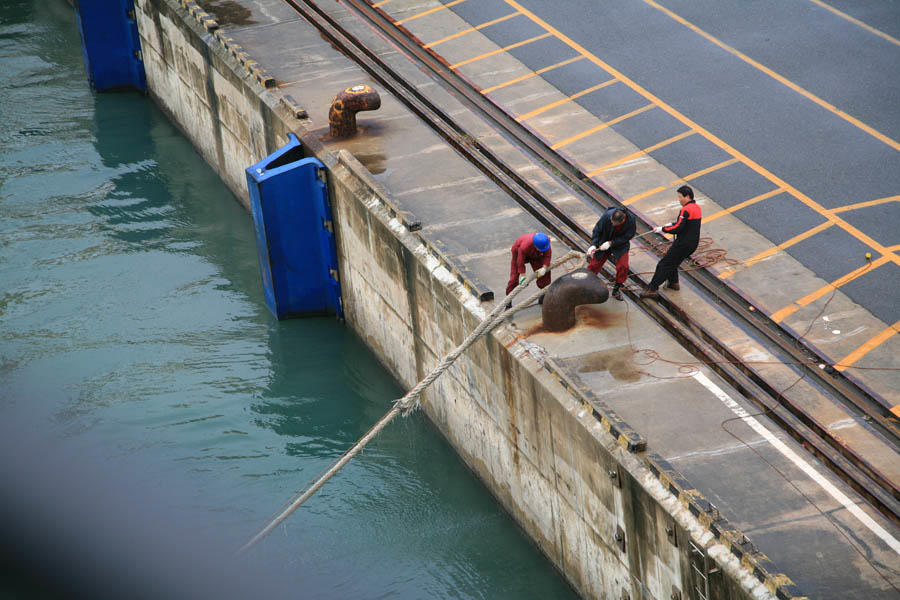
{"points": [[147, 386]]}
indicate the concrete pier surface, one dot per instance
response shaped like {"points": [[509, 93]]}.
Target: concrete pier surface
{"points": [[603, 440]]}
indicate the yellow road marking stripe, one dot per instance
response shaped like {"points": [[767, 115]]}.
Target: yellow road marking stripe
{"points": [[784, 313], [532, 74], [776, 249], [501, 50], [790, 309], [430, 11], [643, 152], [547, 107], [873, 343], [868, 28], [382, 3], [859, 205], [684, 179], [743, 204], [855, 274], [706, 134], [472, 29], [600, 127], [779, 78]]}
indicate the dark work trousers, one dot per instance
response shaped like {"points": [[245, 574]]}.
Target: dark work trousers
{"points": [[621, 265], [667, 267]]}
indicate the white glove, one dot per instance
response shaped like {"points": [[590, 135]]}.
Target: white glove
{"points": [[605, 246], [541, 272], [658, 229], [522, 279], [590, 252]]}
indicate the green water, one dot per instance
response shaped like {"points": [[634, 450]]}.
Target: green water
{"points": [[134, 341]]}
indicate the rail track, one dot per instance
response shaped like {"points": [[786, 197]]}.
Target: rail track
{"points": [[877, 488]]}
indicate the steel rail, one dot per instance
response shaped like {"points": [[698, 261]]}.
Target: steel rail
{"points": [[866, 480]]}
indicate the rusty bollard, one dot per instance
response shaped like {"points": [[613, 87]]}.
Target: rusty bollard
{"points": [[572, 289], [342, 115]]}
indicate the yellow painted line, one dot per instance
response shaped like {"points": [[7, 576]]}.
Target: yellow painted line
{"points": [[547, 107], [780, 183], [634, 155], [779, 78], [500, 50], [642, 195], [600, 127], [868, 28], [784, 313], [532, 74], [876, 341], [790, 309], [743, 204], [855, 274], [430, 11], [707, 170], [776, 249], [859, 205], [472, 30], [684, 179], [382, 3]]}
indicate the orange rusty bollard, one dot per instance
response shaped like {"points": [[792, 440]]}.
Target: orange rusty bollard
{"points": [[342, 115]]}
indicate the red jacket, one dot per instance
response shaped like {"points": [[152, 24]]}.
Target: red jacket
{"points": [[523, 251], [687, 227]]}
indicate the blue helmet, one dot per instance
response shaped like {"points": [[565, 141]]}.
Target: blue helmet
{"points": [[541, 242]]}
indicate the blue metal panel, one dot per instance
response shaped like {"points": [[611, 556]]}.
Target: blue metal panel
{"points": [[294, 233], [110, 44]]}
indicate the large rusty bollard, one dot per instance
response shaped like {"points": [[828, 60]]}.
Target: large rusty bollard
{"points": [[342, 115], [571, 290]]}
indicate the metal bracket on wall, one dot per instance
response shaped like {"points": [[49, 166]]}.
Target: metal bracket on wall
{"points": [[616, 477], [672, 533], [620, 538]]}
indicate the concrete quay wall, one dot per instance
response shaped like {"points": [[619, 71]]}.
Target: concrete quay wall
{"points": [[617, 523]]}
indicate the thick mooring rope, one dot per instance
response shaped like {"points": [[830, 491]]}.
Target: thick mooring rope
{"points": [[410, 401]]}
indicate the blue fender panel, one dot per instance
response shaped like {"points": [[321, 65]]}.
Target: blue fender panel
{"points": [[294, 233], [110, 44]]}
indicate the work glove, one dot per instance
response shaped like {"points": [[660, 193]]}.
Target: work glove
{"points": [[590, 252], [522, 279], [541, 272], [658, 229], [604, 246]]}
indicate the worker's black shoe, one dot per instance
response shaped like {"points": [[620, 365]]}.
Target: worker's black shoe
{"points": [[617, 293], [648, 293], [673, 285]]}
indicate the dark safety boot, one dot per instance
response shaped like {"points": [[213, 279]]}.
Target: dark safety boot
{"points": [[673, 285], [617, 292]]}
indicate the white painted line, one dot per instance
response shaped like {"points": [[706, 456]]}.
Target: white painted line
{"points": [[804, 466]]}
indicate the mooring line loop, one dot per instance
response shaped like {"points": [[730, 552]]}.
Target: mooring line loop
{"points": [[410, 401]]}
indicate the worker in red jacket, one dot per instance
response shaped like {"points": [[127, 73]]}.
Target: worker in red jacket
{"points": [[687, 236], [533, 248]]}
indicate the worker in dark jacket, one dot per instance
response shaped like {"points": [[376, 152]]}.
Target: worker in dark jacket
{"points": [[533, 248], [687, 236], [612, 238]]}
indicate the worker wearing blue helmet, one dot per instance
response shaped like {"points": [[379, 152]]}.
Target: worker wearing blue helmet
{"points": [[533, 248]]}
